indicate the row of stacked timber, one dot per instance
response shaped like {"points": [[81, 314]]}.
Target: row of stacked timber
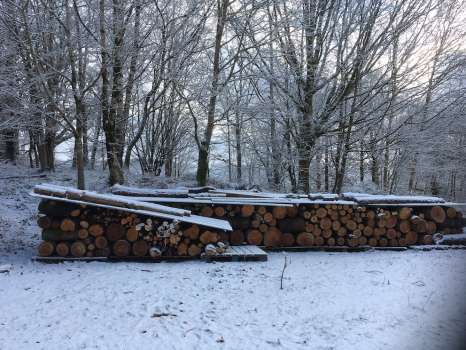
{"points": [[334, 224], [82, 224], [70, 230]]}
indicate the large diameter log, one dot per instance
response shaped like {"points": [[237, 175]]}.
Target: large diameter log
{"points": [[272, 237], [254, 237], [132, 234], [115, 232], [247, 210], [279, 212], [437, 214], [305, 239], [418, 224], [294, 225], [207, 237], [45, 248], [121, 248], [62, 249], [55, 208], [239, 223], [44, 222], [192, 232], [405, 213], [292, 212], [236, 237], [287, 240], [451, 213], [140, 248], [194, 250], [78, 249], [207, 211], [58, 235], [411, 238]]}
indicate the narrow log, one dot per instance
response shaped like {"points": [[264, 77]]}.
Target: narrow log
{"points": [[240, 223], [292, 212], [325, 223], [67, 225], [75, 213], [101, 242], [372, 242], [411, 238], [331, 241], [340, 241], [84, 224], [321, 213], [261, 210], [96, 230], [404, 226], [132, 234], [218, 211], [353, 241], [78, 249], [451, 213], [121, 248], [319, 241], [83, 233], [362, 240], [141, 247], [383, 242], [391, 221], [263, 228], [45, 248], [351, 225], [431, 227]]}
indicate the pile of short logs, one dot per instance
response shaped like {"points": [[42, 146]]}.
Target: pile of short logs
{"points": [[71, 230], [334, 224]]}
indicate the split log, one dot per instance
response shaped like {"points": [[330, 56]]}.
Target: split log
{"points": [[295, 225], [140, 248], [46, 248], [115, 232], [58, 235], [305, 239], [78, 249], [272, 237], [254, 237], [121, 248]]}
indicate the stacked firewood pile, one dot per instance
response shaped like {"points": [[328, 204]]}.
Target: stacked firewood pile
{"points": [[85, 231], [333, 224]]}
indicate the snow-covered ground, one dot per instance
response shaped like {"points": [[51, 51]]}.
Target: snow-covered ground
{"points": [[371, 300]]}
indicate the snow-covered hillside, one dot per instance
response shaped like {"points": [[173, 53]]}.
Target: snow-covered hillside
{"points": [[371, 300]]}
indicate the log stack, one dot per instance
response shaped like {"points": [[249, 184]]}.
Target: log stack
{"points": [[333, 224], [70, 230]]}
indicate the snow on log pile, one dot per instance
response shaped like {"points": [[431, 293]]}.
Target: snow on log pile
{"points": [[283, 220], [81, 224]]}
